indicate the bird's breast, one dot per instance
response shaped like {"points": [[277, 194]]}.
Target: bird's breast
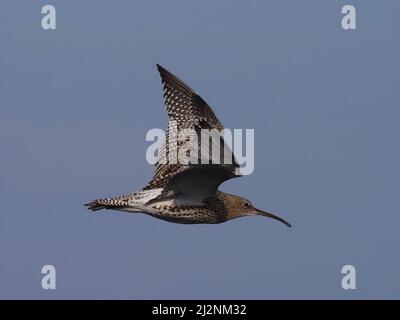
{"points": [[181, 210]]}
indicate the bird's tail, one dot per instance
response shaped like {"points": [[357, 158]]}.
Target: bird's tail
{"points": [[96, 205], [139, 198], [108, 203]]}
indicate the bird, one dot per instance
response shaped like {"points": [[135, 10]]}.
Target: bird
{"points": [[186, 193]]}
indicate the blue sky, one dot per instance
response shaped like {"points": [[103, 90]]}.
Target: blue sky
{"points": [[75, 106]]}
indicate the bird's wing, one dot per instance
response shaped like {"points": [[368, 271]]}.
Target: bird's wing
{"points": [[189, 111]]}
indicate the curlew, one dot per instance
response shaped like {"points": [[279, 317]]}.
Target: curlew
{"points": [[186, 193]]}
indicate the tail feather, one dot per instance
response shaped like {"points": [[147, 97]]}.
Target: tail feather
{"points": [[95, 206], [141, 198], [105, 204]]}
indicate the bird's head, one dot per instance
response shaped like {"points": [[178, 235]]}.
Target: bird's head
{"points": [[240, 207]]}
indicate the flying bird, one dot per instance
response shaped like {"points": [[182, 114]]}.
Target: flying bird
{"points": [[186, 193]]}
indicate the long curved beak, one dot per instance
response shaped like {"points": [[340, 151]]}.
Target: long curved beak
{"points": [[270, 215]]}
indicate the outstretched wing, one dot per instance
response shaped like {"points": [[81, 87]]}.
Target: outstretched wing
{"points": [[184, 105], [189, 111]]}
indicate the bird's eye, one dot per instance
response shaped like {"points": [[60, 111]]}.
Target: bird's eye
{"points": [[246, 204]]}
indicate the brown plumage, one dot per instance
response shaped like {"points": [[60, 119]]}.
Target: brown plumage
{"points": [[186, 193]]}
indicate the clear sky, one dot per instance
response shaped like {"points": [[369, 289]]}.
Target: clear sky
{"points": [[75, 106]]}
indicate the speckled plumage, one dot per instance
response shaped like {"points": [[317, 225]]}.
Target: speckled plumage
{"points": [[186, 193]]}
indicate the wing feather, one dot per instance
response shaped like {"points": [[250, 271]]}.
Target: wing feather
{"points": [[189, 111]]}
